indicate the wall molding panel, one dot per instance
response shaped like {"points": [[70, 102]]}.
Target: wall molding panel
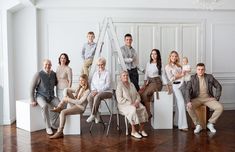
{"points": [[53, 28]]}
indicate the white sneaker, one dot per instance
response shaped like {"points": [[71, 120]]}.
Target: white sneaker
{"points": [[136, 135], [97, 117], [197, 129], [90, 118], [49, 131], [210, 126], [143, 133]]}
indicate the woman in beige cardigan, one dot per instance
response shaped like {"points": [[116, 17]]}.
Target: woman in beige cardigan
{"points": [[78, 103], [129, 104]]}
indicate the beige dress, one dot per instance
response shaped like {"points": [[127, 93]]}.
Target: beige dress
{"points": [[125, 98], [64, 76]]}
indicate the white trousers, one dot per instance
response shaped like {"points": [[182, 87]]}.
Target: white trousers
{"points": [[180, 112]]}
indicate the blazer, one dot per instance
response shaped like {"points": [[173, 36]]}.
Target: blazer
{"points": [[192, 88]]}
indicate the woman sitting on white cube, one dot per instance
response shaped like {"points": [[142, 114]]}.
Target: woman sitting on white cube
{"points": [[78, 103]]}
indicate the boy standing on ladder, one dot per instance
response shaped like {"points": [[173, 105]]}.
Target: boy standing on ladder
{"points": [[88, 52], [130, 58]]}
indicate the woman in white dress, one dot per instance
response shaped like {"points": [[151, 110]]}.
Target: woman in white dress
{"points": [[129, 104]]}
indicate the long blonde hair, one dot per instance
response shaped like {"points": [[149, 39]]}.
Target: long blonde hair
{"points": [[77, 94], [85, 77], [177, 63]]}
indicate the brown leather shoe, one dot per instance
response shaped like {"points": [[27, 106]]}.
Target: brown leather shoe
{"points": [[57, 109], [58, 134]]}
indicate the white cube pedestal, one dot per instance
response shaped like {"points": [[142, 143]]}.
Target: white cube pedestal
{"points": [[28, 117], [72, 125], [162, 110]]}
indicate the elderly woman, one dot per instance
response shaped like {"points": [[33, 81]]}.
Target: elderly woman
{"points": [[77, 103], [174, 73], [63, 74], [129, 104], [100, 89]]}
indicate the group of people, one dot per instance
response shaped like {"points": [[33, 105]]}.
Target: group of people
{"points": [[133, 101]]}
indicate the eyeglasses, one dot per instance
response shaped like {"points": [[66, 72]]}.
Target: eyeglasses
{"points": [[100, 64]]}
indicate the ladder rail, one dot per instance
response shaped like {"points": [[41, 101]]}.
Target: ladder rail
{"points": [[108, 28], [118, 49], [100, 43]]}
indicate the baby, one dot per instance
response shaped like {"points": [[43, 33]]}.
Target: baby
{"points": [[186, 69]]}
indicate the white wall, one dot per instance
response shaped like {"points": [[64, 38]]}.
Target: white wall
{"points": [[198, 30], [1, 85], [61, 26], [1, 70], [8, 78], [25, 50]]}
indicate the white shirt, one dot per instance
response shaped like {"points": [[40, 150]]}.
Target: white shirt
{"points": [[151, 71], [172, 70], [101, 81]]}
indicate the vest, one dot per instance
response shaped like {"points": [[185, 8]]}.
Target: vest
{"points": [[46, 86]]}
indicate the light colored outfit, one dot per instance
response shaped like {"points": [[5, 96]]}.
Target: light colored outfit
{"points": [[154, 83], [100, 83], [131, 60], [42, 91], [64, 76], [187, 75], [77, 102], [88, 52], [202, 94], [126, 96], [171, 71]]}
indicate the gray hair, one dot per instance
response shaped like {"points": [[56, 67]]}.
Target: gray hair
{"points": [[102, 60]]}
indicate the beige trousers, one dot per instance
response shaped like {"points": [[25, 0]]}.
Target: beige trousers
{"points": [[209, 102], [94, 101], [72, 110], [86, 65]]}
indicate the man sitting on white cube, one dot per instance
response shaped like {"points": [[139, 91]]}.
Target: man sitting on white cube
{"points": [[42, 93], [77, 103]]}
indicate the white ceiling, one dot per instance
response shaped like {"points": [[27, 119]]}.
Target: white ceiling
{"points": [[13, 5]]}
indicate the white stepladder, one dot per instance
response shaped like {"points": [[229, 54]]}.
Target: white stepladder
{"points": [[108, 28]]}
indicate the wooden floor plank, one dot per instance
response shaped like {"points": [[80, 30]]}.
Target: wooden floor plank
{"points": [[15, 139]]}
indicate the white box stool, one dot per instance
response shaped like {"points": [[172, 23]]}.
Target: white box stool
{"points": [[28, 117], [72, 125], [162, 110]]}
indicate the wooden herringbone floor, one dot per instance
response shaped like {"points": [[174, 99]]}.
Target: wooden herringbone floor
{"points": [[159, 140]]}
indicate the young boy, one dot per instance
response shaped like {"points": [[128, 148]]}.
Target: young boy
{"points": [[88, 52]]}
